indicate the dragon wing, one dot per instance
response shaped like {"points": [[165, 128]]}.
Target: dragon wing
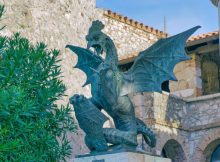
{"points": [[155, 65], [88, 62], [91, 116]]}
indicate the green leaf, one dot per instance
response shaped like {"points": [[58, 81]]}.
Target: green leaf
{"points": [[30, 119]]}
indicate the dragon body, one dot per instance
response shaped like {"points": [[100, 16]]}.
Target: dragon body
{"points": [[110, 87]]}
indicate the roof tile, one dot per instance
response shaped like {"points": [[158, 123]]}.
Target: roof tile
{"points": [[203, 36], [193, 38]]}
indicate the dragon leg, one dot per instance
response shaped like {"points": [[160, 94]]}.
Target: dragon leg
{"points": [[149, 136]]}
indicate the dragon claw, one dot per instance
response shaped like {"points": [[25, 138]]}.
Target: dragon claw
{"points": [[77, 99]]}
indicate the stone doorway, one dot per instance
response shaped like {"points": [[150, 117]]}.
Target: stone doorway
{"points": [[173, 150]]}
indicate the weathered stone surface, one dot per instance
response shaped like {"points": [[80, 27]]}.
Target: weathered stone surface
{"points": [[62, 22], [57, 23], [122, 157], [127, 38], [189, 82], [191, 122]]}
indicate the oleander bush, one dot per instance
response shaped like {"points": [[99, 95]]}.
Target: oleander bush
{"points": [[32, 126]]}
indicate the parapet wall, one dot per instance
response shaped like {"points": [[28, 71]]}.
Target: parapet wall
{"points": [[193, 124], [187, 114], [202, 112]]}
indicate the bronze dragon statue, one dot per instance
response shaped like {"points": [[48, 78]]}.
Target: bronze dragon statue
{"points": [[110, 87]]}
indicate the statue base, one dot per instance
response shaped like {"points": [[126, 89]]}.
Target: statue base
{"points": [[120, 157]]}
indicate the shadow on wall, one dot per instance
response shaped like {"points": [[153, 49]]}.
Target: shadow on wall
{"points": [[174, 110]]}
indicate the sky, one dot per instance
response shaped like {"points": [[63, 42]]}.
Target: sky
{"points": [[180, 14]]}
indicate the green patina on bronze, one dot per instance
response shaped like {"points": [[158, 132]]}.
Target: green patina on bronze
{"points": [[110, 87]]}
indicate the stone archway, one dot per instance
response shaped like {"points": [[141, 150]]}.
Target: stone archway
{"points": [[209, 150], [206, 145], [173, 150]]}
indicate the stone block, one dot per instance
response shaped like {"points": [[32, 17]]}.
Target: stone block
{"points": [[120, 157], [187, 93]]}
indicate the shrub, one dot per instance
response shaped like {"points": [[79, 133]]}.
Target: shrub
{"points": [[32, 126]]}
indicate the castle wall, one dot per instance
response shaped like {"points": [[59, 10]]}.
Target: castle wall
{"points": [[203, 123], [188, 74], [130, 37], [57, 23], [193, 123], [203, 143], [202, 112], [160, 108]]}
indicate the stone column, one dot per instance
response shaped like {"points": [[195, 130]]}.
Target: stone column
{"points": [[188, 74]]}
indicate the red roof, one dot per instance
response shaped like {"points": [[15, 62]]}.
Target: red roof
{"points": [[132, 56], [203, 36]]}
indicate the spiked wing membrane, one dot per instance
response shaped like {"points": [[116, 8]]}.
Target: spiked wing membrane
{"points": [[88, 62], [155, 65], [89, 114]]}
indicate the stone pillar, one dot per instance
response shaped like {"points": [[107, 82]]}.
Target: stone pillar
{"points": [[189, 82], [198, 75]]}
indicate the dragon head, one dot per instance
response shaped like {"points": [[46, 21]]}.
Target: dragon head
{"points": [[96, 38]]}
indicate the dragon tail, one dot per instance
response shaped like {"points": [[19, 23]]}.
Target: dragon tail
{"points": [[116, 136]]}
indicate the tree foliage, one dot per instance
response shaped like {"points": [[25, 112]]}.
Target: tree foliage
{"points": [[32, 126]]}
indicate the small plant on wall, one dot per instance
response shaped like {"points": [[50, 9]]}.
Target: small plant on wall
{"points": [[32, 126]]}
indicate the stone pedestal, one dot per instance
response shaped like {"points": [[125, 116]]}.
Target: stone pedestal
{"points": [[120, 157]]}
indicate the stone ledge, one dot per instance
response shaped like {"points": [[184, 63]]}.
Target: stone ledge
{"points": [[120, 157], [201, 98], [214, 124], [152, 121]]}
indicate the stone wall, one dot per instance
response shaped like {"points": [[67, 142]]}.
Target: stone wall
{"points": [[202, 143], [160, 108], [57, 23], [129, 36], [163, 114], [192, 125], [189, 77], [62, 22], [203, 112]]}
